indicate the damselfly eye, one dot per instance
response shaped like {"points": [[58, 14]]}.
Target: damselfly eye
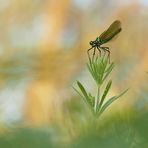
{"points": [[91, 42]]}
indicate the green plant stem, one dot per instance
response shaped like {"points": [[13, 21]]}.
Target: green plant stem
{"points": [[97, 99]]}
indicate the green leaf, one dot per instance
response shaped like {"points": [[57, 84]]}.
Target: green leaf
{"points": [[98, 69], [92, 67], [101, 69], [110, 101], [108, 71], [84, 100], [82, 89], [79, 93], [88, 97], [92, 99], [110, 67], [108, 86], [91, 70]]}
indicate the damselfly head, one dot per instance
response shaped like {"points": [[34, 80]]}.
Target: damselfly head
{"points": [[91, 43], [94, 43]]}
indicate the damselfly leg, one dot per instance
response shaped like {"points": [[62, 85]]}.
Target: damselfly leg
{"points": [[99, 51], [106, 49], [94, 53], [88, 53]]}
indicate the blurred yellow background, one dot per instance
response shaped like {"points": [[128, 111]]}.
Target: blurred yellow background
{"points": [[43, 46]]}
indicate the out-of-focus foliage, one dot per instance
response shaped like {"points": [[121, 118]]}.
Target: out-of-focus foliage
{"points": [[79, 130], [26, 137]]}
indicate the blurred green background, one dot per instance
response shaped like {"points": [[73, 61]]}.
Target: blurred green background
{"points": [[43, 46]]}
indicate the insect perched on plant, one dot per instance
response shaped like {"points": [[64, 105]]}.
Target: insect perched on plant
{"points": [[105, 37]]}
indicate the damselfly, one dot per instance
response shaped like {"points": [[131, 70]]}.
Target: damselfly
{"points": [[105, 37]]}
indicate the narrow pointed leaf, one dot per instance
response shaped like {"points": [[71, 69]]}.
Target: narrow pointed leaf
{"points": [[84, 100], [88, 97], [111, 66], [110, 101], [92, 72], [79, 93], [82, 89], [108, 86], [108, 71]]}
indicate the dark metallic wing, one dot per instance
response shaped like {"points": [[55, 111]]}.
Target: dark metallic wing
{"points": [[108, 34]]}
